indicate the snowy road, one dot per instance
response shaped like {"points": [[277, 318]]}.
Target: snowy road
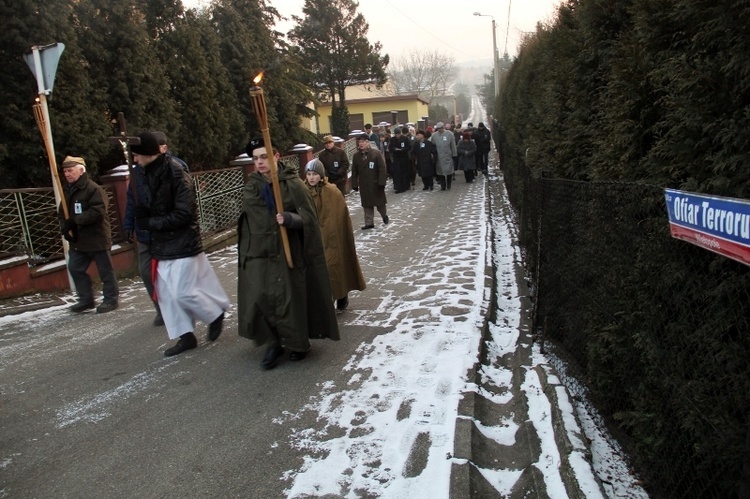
{"points": [[91, 408]]}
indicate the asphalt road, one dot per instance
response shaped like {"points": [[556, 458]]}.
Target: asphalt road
{"points": [[90, 407]]}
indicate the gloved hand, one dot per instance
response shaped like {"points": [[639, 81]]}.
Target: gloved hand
{"points": [[128, 235], [141, 211], [70, 230], [142, 214], [69, 226]]}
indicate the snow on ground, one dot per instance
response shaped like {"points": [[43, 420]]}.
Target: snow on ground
{"points": [[390, 431], [405, 385]]}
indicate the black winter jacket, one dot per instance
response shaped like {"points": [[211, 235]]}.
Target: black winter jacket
{"points": [[87, 207], [173, 219]]}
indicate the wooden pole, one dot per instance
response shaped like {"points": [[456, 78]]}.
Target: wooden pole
{"points": [[259, 106]]}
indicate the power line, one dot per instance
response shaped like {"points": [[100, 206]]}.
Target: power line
{"points": [[426, 30]]}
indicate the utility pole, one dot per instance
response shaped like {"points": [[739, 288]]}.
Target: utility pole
{"points": [[495, 60]]}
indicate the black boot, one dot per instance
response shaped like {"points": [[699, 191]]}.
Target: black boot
{"points": [[158, 320], [342, 303], [81, 307], [273, 354], [187, 341], [214, 329]]}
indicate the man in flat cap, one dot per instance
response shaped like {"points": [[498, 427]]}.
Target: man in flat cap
{"points": [[369, 177], [278, 306], [88, 231], [336, 163], [184, 282]]}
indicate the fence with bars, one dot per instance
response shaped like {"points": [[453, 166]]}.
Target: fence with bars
{"points": [[652, 332], [29, 226]]}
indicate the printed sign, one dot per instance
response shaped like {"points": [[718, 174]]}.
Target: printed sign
{"points": [[716, 223]]}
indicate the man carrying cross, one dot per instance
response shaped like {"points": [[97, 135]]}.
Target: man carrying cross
{"points": [[185, 285], [132, 230]]}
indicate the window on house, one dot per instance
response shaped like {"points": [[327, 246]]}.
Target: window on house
{"points": [[356, 122], [380, 116]]}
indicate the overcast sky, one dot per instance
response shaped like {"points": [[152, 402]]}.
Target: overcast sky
{"points": [[447, 25]]}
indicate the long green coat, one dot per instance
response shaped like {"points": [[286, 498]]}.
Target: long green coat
{"points": [[277, 304]]}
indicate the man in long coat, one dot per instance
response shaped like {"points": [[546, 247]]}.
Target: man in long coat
{"points": [[279, 306], [483, 140], [338, 238], [446, 151], [425, 156], [368, 177]]}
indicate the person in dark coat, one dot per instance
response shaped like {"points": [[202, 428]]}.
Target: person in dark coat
{"points": [[185, 284], [399, 147], [143, 237], [88, 231], [466, 152], [281, 307], [425, 155], [483, 140], [369, 178], [336, 163]]}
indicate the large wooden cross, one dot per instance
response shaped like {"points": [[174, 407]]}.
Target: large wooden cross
{"points": [[125, 142]]}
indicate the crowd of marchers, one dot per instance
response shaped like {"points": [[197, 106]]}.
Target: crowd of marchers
{"points": [[297, 260]]}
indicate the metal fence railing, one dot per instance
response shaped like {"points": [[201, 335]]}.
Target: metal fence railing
{"points": [[29, 225]]}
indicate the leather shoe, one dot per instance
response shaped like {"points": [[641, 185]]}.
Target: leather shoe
{"points": [[214, 329], [158, 320], [106, 306], [386, 219], [342, 303], [296, 356], [187, 341], [273, 354], [367, 227], [81, 307]]}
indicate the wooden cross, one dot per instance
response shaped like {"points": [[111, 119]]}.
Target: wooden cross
{"points": [[125, 142]]}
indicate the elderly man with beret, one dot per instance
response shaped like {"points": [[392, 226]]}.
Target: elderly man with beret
{"points": [[184, 282], [336, 163], [88, 231]]}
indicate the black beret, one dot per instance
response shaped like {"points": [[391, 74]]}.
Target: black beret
{"points": [[149, 145], [363, 136], [256, 143]]}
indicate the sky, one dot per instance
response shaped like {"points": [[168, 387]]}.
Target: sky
{"points": [[443, 25]]}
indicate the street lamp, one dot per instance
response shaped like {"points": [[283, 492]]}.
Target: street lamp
{"points": [[494, 54]]}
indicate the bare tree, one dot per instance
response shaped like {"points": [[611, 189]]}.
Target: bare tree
{"points": [[428, 73]]}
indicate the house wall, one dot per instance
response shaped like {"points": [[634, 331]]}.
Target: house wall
{"points": [[415, 110]]}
